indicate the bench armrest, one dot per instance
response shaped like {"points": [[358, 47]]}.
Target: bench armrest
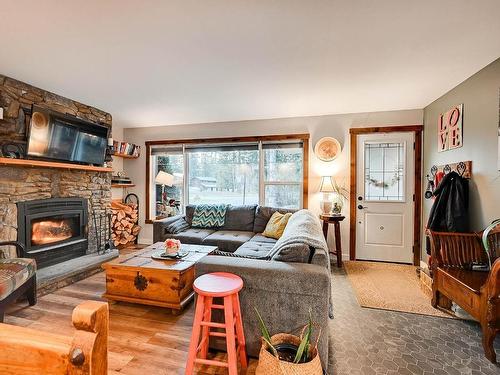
{"points": [[493, 283]]}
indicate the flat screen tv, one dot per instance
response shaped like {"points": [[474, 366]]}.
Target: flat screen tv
{"points": [[67, 138]]}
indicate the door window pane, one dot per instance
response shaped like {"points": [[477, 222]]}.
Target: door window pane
{"points": [[224, 176], [384, 171], [172, 164]]}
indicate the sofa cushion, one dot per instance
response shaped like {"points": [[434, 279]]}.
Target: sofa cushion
{"points": [[189, 213], [276, 225], [296, 253], [228, 240], [240, 218], [259, 237], [254, 249], [263, 214], [14, 273], [302, 240], [193, 235], [177, 226], [209, 216]]}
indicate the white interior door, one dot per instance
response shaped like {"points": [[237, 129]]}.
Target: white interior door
{"points": [[385, 188]]}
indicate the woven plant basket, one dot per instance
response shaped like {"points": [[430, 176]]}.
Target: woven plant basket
{"points": [[270, 365]]}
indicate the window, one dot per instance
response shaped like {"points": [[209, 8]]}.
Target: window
{"points": [[227, 174], [384, 171], [267, 170], [283, 174], [170, 161]]}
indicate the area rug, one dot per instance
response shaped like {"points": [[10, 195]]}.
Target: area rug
{"points": [[389, 286]]}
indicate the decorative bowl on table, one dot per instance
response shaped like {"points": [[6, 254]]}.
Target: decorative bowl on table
{"points": [[172, 246], [172, 250]]}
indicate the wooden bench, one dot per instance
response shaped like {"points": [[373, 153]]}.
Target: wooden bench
{"points": [[477, 292], [26, 351]]}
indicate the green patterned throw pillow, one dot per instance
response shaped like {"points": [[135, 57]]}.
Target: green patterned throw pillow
{"points": [[209, 216]]}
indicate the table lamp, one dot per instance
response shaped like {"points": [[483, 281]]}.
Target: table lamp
{"points": [[164, 179], [326, 188]]}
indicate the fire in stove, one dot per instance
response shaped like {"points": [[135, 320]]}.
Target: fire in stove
{"points": [[50, 231]]}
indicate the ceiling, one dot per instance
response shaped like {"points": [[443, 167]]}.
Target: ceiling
{"points": [[164, 62]]}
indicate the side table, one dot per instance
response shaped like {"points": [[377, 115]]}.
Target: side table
{"points": [[335, 220]]}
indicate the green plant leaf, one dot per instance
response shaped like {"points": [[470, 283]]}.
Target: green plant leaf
{"points": [[271, 346], [265, 334], [263, 328], [303, 349]]}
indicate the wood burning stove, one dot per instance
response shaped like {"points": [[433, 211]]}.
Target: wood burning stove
{"points": [[53, 230]]}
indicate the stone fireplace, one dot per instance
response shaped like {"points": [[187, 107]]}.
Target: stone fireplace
{"points": [[53, 230], [24, 189]]}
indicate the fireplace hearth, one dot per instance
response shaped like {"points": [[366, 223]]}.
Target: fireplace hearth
{"points": [[53, 230]]}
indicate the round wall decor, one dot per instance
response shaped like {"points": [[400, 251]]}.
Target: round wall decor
{"points": [[327, 149]]}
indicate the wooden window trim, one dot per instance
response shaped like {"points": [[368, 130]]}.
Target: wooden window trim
{"points": [[417, 212], [304, 137]]}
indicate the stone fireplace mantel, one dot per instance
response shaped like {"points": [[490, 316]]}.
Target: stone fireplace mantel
{"points": [[25, 180]]}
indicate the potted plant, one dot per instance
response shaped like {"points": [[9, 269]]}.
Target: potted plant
{"points": [[340, 195], [287, 354]]}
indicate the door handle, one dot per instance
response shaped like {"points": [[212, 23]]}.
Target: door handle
{"points": [[361, 207]]}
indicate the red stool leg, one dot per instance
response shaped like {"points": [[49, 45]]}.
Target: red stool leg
{"points": [[205, 331], [239, 332], [195, 336], [232, 360]]}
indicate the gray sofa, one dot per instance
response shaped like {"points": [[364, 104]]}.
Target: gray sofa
{"points": [[282, 291]]}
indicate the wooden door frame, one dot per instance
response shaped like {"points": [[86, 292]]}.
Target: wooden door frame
{"points": [[417, 200]]}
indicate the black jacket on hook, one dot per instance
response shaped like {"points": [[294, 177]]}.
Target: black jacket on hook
{"points": [[450, 211]]}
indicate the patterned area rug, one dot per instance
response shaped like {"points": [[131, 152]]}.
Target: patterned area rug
{"points": [[389, 286]]}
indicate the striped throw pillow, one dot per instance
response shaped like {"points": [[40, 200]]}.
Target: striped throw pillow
{"points": [[209, 216]]}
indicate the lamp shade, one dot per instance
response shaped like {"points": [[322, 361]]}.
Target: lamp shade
{"points": [[326, 185], [164, 178]]}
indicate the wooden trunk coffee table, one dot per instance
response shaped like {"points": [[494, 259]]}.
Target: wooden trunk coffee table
{"points": [[138, 278]]}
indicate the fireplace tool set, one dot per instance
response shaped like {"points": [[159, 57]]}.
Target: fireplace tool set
{"points": [[102, 230]]}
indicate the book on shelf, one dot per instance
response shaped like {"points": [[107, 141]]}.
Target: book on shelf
{"points": [[125, 148]]}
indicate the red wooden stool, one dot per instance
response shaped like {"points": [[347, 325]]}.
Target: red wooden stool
{"points": [[224, 285]]}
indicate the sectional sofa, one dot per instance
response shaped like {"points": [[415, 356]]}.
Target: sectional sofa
{"points": [[283, 285]]}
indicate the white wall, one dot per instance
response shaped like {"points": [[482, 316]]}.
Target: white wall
{"points": [[318, 126]]}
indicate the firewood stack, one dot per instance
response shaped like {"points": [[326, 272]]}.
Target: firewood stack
{"points": [[124, 223]]}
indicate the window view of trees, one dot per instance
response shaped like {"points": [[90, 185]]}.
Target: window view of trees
{"points": [[224, 177], [174, 165], [231, 175], [283, 169]]}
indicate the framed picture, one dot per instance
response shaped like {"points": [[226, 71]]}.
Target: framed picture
{"points": [[450, 129], [327, 149]]}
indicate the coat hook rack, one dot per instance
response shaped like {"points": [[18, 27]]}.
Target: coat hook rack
{"points": [[463, 168]]}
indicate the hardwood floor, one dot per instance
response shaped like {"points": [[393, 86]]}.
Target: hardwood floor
{"points": [[148, 340], [142, 339]]}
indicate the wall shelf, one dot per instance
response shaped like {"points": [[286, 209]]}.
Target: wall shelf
{"points": [[126, 156], [50, 164], [122, 185]]}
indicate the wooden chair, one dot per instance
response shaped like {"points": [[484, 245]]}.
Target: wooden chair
{"points": [[26, 351], [17, 278], [477, 292]]}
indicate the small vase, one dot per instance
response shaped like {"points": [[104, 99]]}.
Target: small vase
{"points": [[338, 204]]}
